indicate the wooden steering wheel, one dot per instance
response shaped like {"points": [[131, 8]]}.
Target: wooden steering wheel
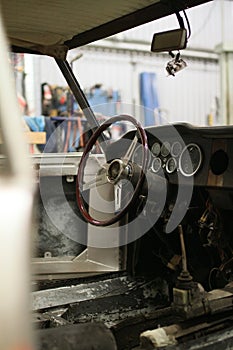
{"points": [[115, 171]]}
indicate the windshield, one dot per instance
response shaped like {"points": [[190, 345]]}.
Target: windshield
{"points": [[119, 75]]}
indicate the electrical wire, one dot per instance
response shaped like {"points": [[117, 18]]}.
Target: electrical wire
{"points": [[188, 24], [180, 20], [219, 269], [210, 275]]}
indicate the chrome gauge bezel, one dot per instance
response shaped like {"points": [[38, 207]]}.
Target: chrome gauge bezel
{"points": [[172, 149], [157, 145], [152, 165], [182, 154], [135, 152], [167, 165], [166, 145]]}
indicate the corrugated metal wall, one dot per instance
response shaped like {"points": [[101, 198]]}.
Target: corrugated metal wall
{"points": [[189, 96]]}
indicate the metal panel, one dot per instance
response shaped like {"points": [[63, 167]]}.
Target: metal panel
{"points": [[59, 260], [43, 299]]}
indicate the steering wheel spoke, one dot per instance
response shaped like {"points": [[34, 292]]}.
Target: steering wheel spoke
{"points": [[131, 149], [99, 180], [118, 195]]}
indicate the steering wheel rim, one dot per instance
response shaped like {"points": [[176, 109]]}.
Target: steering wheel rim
{"points": [[79, 180]]}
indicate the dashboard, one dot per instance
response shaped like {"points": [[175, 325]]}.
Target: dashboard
{"points": [[172, 157], [184, 151]]}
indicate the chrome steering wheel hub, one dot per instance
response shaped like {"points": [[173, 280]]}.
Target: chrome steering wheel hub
{"points": [[118, 170]]}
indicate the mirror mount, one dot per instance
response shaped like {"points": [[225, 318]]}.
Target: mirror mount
{"points": [[176, 64], [171, 40]]}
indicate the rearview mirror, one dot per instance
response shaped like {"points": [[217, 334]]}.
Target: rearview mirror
{"points": [[171, 40]]}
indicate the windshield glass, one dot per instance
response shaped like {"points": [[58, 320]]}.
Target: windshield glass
{"points": [[120, 75]]}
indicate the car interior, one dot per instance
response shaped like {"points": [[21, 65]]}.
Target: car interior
{"points": [[131, 238]]}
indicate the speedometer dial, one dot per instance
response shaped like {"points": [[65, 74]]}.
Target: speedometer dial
{"points": [[190, 159]]}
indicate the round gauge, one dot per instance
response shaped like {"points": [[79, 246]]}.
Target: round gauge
{"points": [[190, 159], [156, 165], [171, 165], [137, 156], [155, 149], [165, 149], [176, 149]]}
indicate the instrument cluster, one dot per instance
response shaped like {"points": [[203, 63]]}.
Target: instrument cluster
{"points": [[172, 157]]}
